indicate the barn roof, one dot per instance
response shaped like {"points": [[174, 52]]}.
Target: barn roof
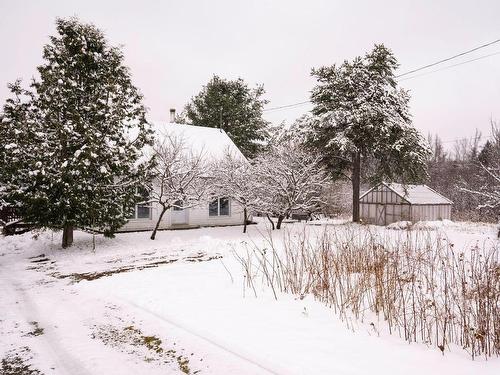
{"points": [[213, 143], [415, 194]]}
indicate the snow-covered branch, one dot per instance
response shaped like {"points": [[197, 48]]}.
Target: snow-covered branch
{"points": [[490, 191], [179, 178], [289, 179], [234, 179]]}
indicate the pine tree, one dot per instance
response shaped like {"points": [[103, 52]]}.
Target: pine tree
{"points": [[361, 114], [233, 106], [77, 139]]}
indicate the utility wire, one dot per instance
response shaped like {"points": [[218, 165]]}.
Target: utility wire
{"points": [[450, 66], [448, 59], [286, 106], [413, 71]]}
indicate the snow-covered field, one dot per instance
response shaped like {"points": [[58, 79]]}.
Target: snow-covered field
{"points": [[178, 305]]}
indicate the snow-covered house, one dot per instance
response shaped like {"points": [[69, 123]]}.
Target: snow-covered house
{"points": [[388, 203], [213, 144]]}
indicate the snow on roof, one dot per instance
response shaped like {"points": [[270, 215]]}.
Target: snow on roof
{"points": [[418, 194], [213, 143]]}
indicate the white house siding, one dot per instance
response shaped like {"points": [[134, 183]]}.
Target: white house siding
{"points": [[213, 144], [199, 216], [196, 216]]}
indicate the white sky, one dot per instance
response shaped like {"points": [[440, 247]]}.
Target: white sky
{"points": [[174, 47]]}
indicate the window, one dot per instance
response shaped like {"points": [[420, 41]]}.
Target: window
{"points": [[223, 207], [142, 210], [213, 208], [178, 205], [219, 207]]}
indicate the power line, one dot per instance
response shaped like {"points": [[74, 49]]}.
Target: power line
{"points": [[450, 66], [412, 71], [287, 106], [448, 59]]}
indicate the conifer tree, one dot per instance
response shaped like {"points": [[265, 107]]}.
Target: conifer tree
{"points": [[360, 114], [76, 136], [233, 106]]}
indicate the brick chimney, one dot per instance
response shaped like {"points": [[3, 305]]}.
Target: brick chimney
{"points": [[172, 115]]}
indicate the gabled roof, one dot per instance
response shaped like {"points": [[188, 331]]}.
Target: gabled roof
{"points": [[415, 194], [213, 143]]}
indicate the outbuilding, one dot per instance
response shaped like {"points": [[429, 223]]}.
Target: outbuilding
{"points": [[387, 203]]}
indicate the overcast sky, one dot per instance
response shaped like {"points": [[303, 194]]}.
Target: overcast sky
{"points": [[174, 47]]}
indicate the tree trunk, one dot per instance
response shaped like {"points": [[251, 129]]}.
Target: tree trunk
{"points": [[244, 220], [280, 220], [67, 239], [356, 177], [153, 235], [272, 222]]}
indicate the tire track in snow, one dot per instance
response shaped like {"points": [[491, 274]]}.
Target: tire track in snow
{"points": [[181, 327], [28, 310]]}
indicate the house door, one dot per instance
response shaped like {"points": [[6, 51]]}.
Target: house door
{"points": [[381, 220], [179, 215]]}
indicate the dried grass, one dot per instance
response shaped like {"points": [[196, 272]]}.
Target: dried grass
{"points": [[418, 283]]}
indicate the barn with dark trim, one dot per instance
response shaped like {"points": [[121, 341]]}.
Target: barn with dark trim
{"points": [[387, 203]]}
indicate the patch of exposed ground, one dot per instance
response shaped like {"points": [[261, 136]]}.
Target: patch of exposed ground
{"points": [[151, 263], [37, 330], [41, 263], [149, 348], [16, 362]]}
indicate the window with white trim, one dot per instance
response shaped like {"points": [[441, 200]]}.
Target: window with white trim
{"points": [[142, 210], [219, 207]]}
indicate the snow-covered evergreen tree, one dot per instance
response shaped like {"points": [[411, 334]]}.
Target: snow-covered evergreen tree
{"points": [[289, 178], [76, 138], [18, 133], [360, 114], [233, 106], [179, 176]]}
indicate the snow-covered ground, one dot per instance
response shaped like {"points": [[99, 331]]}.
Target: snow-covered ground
{"points": [[178, 305]]}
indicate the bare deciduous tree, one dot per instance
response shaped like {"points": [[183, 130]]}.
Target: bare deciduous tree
{"points": [[290, 179], [180, 180], [487, 186], [234, 179]]}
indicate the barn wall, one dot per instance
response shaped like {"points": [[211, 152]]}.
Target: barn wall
{"points": [[381, 194], [368, 212], [431, 212], [383, 214], [382, 206], [373, 213]]}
